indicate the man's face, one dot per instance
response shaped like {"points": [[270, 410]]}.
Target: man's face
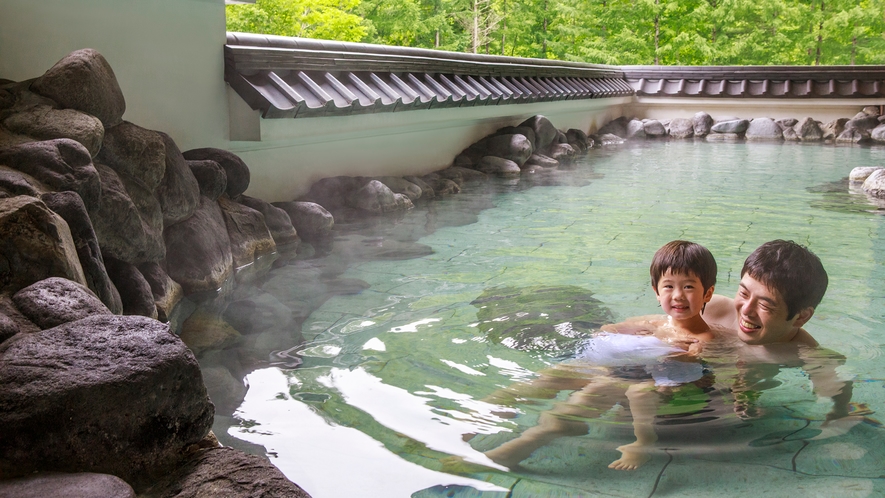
{"points": [[762, 314]]}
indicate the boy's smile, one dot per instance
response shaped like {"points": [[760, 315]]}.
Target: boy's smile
{"points": [[682, 296]]}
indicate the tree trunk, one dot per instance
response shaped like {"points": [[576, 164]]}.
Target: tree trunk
{"points": [[820, 36], [657, 31]]}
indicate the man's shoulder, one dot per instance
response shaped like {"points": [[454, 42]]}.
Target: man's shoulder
{"points": [[720, 312]]}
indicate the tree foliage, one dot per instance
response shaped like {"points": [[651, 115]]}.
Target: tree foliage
{"points": [[670, 32]]}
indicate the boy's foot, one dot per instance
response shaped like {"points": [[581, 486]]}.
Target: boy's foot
{"points": [[632, 457]]}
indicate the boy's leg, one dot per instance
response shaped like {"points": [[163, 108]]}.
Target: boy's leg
{"points": [[644, 403]]}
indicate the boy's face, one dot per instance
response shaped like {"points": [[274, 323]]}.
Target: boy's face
{"points": [[762, 314], [682, 296]]}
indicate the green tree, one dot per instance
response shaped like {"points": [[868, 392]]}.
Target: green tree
{"points": [[327, 19]]}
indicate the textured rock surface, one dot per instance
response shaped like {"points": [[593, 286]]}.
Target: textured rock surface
{"points": [[331, 192], [635, 129], [312, 221], [861, 173], [135, 151], [808, 130], [13, 183], [235, 169], [12, 321], [542, 161], [35, 244], [373, 197], [249, 236], [564, 154], [401, 186], [45, 123], [210, 176], [878, 134], [427, 191], [702, 123], [492, 165], [875, 184], [440, 185], [654, 128], [731, 126], [545, 132], [135, 292], [764, 129], [516, 148], [178, 193], [681, 128], [199, 254], [167, 292], [84, 80], [61, 419], [60, 164], [55, 301], [204, 330], [277, 220], [57, 484]]}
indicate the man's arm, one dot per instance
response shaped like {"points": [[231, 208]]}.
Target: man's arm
{"points": [[821, 364]]}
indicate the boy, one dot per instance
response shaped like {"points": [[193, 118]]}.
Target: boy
{"points": [[683, 275]]}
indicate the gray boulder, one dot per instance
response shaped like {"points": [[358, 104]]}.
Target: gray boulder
{"points": [[70, 207], [442, 186], [167, 293], [764, 129], [135, 292], [258, 313], [60, 164], [60, 484], [402, 186], [12, 321], [331, 192], [235, 169], [809, 130], [83, 80], [681, 128], [461, 175], [617, 126], [45, 123], [723, 137], [863, 123], [610, 139], [13, 183], [545, 132], [93, 415], [861, 173], [702, 123], [635, 129], [790, 135], [426, 190], [871, 110], [55, 301], [787, 122], [654, 129], [35, 244], [198, 249], [210, 177], [852, 136], [542, 161], [564, 154], [312, 221], [249, 237], [277, 220], [731, 126], [832, 129], [577, 139], [178, 193], [874, 185], [525, 131], [516, 148], [877, 134], [498, 166], [373, 197]]}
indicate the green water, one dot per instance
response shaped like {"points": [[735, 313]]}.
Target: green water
{"points": [[394, 377]]}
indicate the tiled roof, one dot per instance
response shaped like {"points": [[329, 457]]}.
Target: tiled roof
{"points": [[758, 81], [298, 77]]}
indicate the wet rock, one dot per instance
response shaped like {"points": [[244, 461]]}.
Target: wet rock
{"points": [[610, 139], [249, 237], [12, 321], [312, 221], [466, 174], [809, 130], [167, 293], [877, 134], [225, 390], [402, 186], [832, 129], [179, 192], [35, 244], [210, 177], [277, 220], [542, 161], [525, 131], [463, 160], [731, 126], [55, 301], [552, 320], [862, 123], [635, 129], [852, 136], [443, 186], [45, 123], [258, 313], [426, 190], [564, 154], [617, 126], [790, 135], [681, 128], [874, 185], [225, 472], [129, 224], [702, 123], [57, 484], [14, 183], [860, 173], [83, 80], [654, 129], [134, 290], [577, 139], [331, 192], [235, 169], [204, 330], [94, 414], [198, 249], [764, 129], [498, 166], [516, 148], [787, 122], [374, 198], [60, 164], [723, 137], [70, 207], [545, 132]]}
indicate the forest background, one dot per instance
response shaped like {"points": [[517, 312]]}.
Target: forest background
{"points": [[620, 32]]}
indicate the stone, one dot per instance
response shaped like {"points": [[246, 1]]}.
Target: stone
{"points": [[401, 186], [681, 128], [577, 139], [499, 166], [60, 164], [135, 151], [863, 124], [542, 161], [83, 80], [225, 390], [462, 174], [463, 160], [526, 131], [35, 244], [702, 123], [723, 137], [12, 321], [198, 252], [545, 132], [402, 202], [210, 176], [204, 331], [179, 192], [560, 137], [45, 123], [617, 126], [426, 190], [832, 129], [374, 198], [878, 134], [871, 110], [564, 154], [55, 301], [516, 148], [277, 221], [129, 224], [790, 135], [331, 192], [70, 207], [167, 293], [235, 169], [809, 131], [787, 122], [875, 184], [852, 136], [635, 129], [861, 173], [58, 484], [97, 414], [15, 183], [135, 291], [732, 126], [610, 139], [249, 237], [764, 129], [225, 472], [442, 186], [654, 129], [257, 313], [312, 221]]}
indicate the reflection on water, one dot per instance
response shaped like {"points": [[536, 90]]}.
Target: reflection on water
{"points": [[420, 326]]}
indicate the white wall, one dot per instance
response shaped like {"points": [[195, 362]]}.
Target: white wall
{"points": [[167, 56]]}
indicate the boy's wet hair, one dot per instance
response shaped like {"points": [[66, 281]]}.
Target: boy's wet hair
{"points": [[684, 258], [790, 269]]}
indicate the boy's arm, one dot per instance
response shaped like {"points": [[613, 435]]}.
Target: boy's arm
{"points": [[637, 325]]}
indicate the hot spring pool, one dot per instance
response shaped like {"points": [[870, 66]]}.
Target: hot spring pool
{"points": [[394, 378]]}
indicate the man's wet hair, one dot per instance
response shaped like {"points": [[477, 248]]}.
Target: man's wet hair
{"points": [[790, 269], [684, 258]]}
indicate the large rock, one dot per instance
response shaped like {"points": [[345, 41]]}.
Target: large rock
{"points": [[55, 301], [577, 139], [135, 292], [210, 177], [198, 249], [402, 186], [443, 186], [525, 131], [375, 198], [13, 183], [70, 207], [809, 130], [135, 151], [277, 220], [427, 191], [45, 123], [731, 126], [617, 126], [35, 244], [681, 128], [564, 154], [877, 134], [331, 192], [129, 224], [178, 193], [764, 129], [12, 321], [235, 169], [129, 399], [499, 166], [832, 129], [875, 184], [61, 484], [542, 161], [225, 472], [516, 148], [60, 164], [312, 221], [635, 130], [852, 136], [461, 175], [545, 132], [861, 173], [862, 122], [702, 123], [83, 80], [249, 237], [654, 128], [167, 292]]}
